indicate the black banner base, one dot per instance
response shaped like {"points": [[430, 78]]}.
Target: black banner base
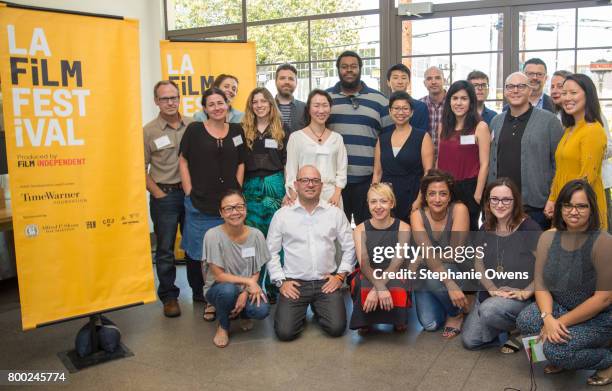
{"points": [[74, 363]]}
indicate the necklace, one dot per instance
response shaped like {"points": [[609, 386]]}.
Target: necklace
{"points": [[438, 220], [318, 136], [499, 259]]}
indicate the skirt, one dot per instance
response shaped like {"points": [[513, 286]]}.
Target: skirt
{"points": [[264, 196]]}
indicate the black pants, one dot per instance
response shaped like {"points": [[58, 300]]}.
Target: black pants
{"points": [[290, 314], [464, 192], [355, 200]]}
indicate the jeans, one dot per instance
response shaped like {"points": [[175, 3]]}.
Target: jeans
{"points": [[488, 320], [167, 213], [223, 296], [328, 308], [537, 215], [433, 304]]}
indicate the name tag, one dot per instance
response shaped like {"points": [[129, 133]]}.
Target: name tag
{"points": [[248, 252], [322, 150], [237, 140], [468, 140], [271, 143], [162, 141]]}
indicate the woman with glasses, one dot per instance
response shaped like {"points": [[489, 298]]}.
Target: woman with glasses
{"points": [[264, 186], [556, 89], [439, 223], [463, 147], [508, 238], [211, 161], [378, 299], [319, 146], [582, 148], [229, 85], [573, 281], [235, 253], [402, 156]]}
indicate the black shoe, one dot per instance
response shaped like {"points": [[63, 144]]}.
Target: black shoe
{"points": [[199, 298]]}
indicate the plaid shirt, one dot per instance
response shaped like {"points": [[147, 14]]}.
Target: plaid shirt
{"points": [[435, 117]]}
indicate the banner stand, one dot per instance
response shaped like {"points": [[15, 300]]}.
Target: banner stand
{"points": [[74, 363]]}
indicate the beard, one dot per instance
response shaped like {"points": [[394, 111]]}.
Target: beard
{"points": [[285, 93], [351, 85]]}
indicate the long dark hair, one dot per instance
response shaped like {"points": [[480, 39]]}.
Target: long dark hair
{"points": [[518, 213], [565, 196], [592, 110], [312, 94], [472, 118]]}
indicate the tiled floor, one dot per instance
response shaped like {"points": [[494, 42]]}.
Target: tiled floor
{"points": [[177, 354]]}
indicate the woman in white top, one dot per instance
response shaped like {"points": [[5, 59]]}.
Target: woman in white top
{"points": [[317, 145]]}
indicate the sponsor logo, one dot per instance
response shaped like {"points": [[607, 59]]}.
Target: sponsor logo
{"points": [[31, 230]]}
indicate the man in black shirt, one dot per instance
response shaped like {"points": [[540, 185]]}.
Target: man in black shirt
{"points": [[524, 141], [291, 109]]}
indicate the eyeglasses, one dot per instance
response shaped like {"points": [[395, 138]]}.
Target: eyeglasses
{"points": [[504, 201], [230, 208], [569, 207], [480, 86], [535, 74], [168, 99], [354, 101], [520, 87], [308, 181], [352, 67], [405, 109]]}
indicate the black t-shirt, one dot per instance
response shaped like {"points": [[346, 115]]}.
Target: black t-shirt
{"points": [[512, 253], [509, 146], [212, 163], [267, 157]]}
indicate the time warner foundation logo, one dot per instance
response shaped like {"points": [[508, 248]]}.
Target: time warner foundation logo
{"points": [[31, 230]]}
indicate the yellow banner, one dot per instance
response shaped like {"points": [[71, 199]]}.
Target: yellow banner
{"points": [[194, 66], [71, 95]]}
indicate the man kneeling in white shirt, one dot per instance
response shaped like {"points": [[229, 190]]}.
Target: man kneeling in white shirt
{"points": [[306, 231]]}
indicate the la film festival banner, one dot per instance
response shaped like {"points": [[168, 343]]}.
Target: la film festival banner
{"points": [[194, 66], [71, 94]]}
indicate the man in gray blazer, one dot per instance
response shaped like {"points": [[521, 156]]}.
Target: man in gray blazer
{"points": [[291, 109], [524, 141]]}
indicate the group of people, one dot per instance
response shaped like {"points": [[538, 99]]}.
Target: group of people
{"points": [[265, 200]]}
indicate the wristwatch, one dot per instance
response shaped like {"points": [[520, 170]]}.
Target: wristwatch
{"points": [[543, 315], [279, 283]]}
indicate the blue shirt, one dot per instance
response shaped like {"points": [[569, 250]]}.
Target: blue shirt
{"points": [[487, 115], [420, 115]]}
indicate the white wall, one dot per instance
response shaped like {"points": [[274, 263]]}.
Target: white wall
{"points": [[149, 14]]}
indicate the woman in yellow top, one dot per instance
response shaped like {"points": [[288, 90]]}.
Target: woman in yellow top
{"points": [[582, 148]]}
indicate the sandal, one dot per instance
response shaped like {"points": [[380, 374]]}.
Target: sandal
{"points": [[597, 380], [210, 313], [450, 332], [510, 347], [552, 369], [221, 343]]}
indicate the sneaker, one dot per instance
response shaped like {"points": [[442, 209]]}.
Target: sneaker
{"points": [[171, 308]]}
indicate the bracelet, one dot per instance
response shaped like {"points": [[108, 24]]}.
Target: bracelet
{"points": [[339, 277]]}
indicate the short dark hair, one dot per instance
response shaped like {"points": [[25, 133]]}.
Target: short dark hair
{"points": [[535, 61], [592, 110], [312, 94], [212, 91], [434, 175], [565, 196], [400, 95], [349, 53], [229, 193], [285, 67], [219, 79], [398, 67], [165, 83], [475, 74]]}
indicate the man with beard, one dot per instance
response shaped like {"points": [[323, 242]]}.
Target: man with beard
{"points": [[535, 69], [291, 109], [360, 114]]}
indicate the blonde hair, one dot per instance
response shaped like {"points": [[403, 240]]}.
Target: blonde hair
{"points": [[249, 121], [384, 190]]}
